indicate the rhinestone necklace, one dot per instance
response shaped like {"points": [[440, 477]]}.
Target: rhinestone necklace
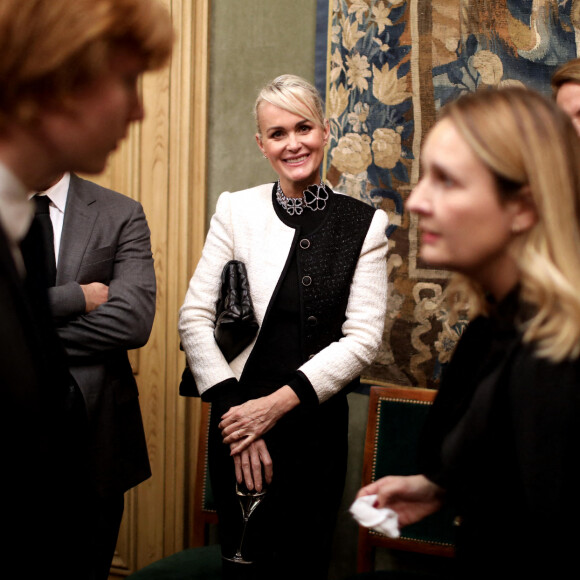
{"points": [[314, 197]]}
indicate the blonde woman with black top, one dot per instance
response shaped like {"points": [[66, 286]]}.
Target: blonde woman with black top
{"points": [[499, 203]]}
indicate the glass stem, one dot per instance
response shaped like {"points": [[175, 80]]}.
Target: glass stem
{"points": [[239, 553]]}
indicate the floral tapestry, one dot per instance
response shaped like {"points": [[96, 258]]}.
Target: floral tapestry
{"points": [[391, 65]]}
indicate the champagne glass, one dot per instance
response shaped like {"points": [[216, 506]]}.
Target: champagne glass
{"points": [[249, 501]]}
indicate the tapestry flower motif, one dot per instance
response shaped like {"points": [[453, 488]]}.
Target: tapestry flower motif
{"points": [[357, 71], [458, 48], [383, 46], [388, 88], [386, 147], [353, 153], [369, 101], [336, 66], [488, 65], [526, 51], [335, 32], [381, 15], [337, 101], [359, 8], [351, 33], [358, 117]]}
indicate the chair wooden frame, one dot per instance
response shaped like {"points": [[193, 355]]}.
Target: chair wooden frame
{"points": [[368, 539], [203, 515]]}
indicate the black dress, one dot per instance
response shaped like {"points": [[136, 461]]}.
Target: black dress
{"points": [[290, 533], [503, 440]]}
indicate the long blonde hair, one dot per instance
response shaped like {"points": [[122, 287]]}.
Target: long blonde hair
{"points": [[525, 140]]}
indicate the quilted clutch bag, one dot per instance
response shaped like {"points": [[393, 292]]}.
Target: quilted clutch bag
{"points": [[235, 326]]}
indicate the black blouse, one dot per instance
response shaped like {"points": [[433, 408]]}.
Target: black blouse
{"points": [[502, 439]]}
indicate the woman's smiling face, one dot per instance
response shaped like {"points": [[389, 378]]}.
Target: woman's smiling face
{"points": [[293, 145]]}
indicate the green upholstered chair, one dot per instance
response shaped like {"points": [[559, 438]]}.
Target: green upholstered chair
{"points": [[201, 562], [204, 512], [396, 416]]}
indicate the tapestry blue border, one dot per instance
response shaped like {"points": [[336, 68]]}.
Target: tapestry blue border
{"points": [[321, 47]]}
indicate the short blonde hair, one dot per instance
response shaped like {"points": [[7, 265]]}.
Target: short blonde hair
{"points": [[50, 48], [294, 94], [526, 140]]}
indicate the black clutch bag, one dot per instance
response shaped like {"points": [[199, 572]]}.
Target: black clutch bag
{"points": [[236, 325]]}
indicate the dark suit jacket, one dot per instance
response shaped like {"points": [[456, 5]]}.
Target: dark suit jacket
{"points": [[41, 430], [105, 238]]}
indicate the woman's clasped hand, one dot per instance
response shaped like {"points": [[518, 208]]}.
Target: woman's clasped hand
{"points": [[244, 423], [253, 465]]}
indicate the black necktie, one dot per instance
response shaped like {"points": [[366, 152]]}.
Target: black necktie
{"points": [[42, 217]]}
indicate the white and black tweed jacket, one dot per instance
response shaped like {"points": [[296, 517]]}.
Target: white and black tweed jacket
{"points": [[342, 267]]}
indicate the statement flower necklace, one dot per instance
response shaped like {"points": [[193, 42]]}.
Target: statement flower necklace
{"points": [[314, 197]]}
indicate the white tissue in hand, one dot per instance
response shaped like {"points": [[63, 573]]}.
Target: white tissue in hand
{"points": [[382, 520]]}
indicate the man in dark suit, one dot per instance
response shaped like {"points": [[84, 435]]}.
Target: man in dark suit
{"points": [[68, 92], [40, 409], [104, 303]]}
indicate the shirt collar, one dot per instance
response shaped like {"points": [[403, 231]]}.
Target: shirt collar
{"points": [[59, 192]]}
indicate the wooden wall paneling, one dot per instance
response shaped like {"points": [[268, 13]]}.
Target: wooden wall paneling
{"points": [[179, 187], [187, 187], [195, 224], [154, 156], [196, 219]]}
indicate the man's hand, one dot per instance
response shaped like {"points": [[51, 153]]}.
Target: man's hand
{"points": [[95, 295]]}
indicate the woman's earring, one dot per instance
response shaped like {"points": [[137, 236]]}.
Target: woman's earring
{"points": [[265, 156]]}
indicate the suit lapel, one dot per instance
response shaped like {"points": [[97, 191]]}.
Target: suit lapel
{"points": [[79, 219]]}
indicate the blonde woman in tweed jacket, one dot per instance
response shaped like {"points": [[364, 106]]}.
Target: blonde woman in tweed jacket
{"points": [[317, 272]]}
